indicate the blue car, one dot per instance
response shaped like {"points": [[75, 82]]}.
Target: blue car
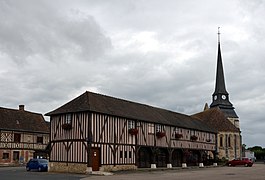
{"points": [[37, 164]]}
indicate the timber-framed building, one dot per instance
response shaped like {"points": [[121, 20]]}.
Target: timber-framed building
{"points": [[24, 135], [97, 132]]}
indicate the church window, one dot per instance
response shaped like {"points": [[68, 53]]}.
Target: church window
{"points": [[229, 141], [221, 141]]}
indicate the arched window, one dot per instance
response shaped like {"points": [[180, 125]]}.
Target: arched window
{"points": [[221, 141], [229, 141]]}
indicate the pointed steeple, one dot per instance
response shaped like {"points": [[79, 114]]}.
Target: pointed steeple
{"points": [[220, 97], [220, 79]]}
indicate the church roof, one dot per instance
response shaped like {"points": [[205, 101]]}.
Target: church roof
{"points": [[215, 118], [94, 102], [21, 120]]}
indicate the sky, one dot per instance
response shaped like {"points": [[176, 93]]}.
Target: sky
{"points": [[155, 52]]}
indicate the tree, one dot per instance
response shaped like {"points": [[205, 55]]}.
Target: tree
{"points": [[259, 152]]}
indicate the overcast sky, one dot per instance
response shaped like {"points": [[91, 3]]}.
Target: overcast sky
{"points": [[156, 52]]}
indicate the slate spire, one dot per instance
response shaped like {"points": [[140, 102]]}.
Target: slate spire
{"points": [[220, 79], [220, 97]]}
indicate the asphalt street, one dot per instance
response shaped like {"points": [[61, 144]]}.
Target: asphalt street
{"points": [[257, 172]]}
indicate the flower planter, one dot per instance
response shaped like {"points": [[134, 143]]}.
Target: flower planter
{"points": [[133, 131], [67, 126], [194, 138], [178, 136], [160, 134]]}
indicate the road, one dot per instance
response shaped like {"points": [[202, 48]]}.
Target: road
{"points": [[257, 172], [20, 173]]}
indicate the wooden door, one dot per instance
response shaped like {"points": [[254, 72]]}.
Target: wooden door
{"points": [[15, 155], [176, 158], [95, 157]]}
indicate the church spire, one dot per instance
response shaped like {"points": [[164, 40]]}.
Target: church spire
{"points": [[220, 97], [220, 80]]}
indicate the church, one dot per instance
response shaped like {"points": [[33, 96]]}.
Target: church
{"points": [[222, 116]]}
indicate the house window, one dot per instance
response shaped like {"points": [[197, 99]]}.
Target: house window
{"points": [[159, 128], [130, 154], [68, 119], [17, 137], [5, 155], [131, 124], [40, 140], [151, 128], [221, 141]]}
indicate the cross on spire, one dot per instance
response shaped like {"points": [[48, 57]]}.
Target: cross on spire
{"points": [[218, 34]]}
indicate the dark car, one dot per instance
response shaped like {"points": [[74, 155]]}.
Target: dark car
{"points": [[37, 164], [242, 162]]}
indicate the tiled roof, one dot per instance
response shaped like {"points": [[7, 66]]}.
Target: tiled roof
{"points": [[21, 120], [216, 119], [93, 102]]}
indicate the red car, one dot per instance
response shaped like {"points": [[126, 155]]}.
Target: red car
{"points": [[237, 162]]}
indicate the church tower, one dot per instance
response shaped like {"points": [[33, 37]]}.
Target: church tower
{"points": [[220, 97]]}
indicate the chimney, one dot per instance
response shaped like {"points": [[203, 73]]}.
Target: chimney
{"points": [[21, 107]]}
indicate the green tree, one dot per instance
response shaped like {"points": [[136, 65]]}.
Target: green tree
{"points": [[259, 152]]}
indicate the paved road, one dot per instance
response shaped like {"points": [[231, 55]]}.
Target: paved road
{"points": [[20, 173], [257, 172]]}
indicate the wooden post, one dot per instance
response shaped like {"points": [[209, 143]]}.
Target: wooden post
{"points": [[89, 141]]}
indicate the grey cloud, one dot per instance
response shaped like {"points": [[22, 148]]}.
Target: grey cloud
{"points": [[49, 33], [49, 55]]}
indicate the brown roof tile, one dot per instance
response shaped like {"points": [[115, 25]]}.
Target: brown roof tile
{"points": [[215, 118], [21, 120], [89, 101]]}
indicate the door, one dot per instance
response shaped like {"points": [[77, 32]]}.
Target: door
{"points": [[95, 153], [15, 155], [176, 158], [144, 157], [162, 158]]}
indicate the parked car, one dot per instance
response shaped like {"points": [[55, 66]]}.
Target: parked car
{"points": [[242, 162], [37, 164]]}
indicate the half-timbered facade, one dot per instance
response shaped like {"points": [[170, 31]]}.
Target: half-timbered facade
{"points": [[23, 134], [98, 132]]}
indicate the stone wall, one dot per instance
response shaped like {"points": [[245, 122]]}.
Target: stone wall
{"points": [[229, 152], [117, 167], [67, 167], [81, 168]]}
